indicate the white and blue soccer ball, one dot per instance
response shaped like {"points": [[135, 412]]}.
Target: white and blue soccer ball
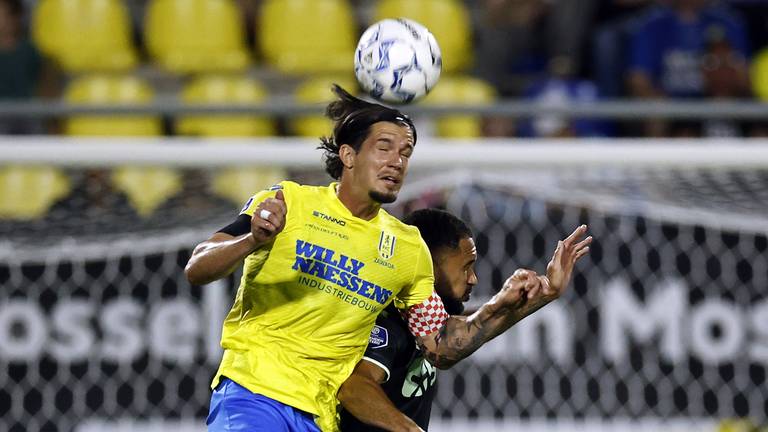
{"points": [[397, 61]]}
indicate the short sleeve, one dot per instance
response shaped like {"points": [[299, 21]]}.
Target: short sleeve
{"points": [[254, 201], [385, 343], [423, 282]]}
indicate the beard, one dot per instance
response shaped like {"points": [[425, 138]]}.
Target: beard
{"points": [[382, 197], [452, 305]]}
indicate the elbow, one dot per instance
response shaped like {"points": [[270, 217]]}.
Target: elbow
{"points": [[193, 274]]}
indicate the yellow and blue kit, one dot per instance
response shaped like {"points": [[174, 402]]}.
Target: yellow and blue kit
{"points": [[306, 303]]}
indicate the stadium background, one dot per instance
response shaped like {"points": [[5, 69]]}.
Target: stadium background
{"points": [[130, 130]]}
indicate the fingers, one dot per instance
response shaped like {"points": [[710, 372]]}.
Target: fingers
{"points": [[581, 253], [279, 195], [575, 235]]}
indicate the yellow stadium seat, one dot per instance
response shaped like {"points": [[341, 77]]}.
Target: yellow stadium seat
{"points": [[85, 35], [307, 36], [230, 90], [448, 20], [27, 193], [110, 89], [145, 187], [318, 91], [759, 72], [188, 36], [235, 184], [239, 184], [460, 90]]}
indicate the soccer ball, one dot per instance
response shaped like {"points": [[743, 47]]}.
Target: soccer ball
{"points": [[397, 60]]}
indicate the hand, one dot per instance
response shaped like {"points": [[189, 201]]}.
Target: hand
{"points": [[566, 254], [268, 219], [522, 285]]}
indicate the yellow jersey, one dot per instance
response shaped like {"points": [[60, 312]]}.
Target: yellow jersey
{"points": [[306, 304]]}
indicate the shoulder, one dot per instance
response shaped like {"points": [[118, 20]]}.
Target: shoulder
{"points": [[399, 228]]}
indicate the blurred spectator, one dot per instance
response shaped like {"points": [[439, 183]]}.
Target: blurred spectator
{"points": [[560, 88], [23, 73], [666, 48], [515, 38], [610, 42], [195, 203], [726, 76], [511, 42], [94, 200]]}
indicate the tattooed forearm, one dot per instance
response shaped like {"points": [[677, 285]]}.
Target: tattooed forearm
{"points": [[461, 336]]}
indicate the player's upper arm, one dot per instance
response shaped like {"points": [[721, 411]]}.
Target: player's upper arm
{"points": [[371, 369]]}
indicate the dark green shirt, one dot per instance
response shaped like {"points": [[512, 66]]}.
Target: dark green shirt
{"points": [[19, 71]]}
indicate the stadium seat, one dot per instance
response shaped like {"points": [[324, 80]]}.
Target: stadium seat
{"points": [[235, 184], [224, 89], [317, 91], [146, 188], [307, 36], [27, 193], [759, 75], [110, 89], [85, 35], [448, 20], [188, 36], [460, 90]]}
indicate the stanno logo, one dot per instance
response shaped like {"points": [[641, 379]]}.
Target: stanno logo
{"points": [[324, 216], [387, 245]]}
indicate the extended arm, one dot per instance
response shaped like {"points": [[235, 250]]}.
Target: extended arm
{"points": [[522, 294], [362, 395], [222, 253]]}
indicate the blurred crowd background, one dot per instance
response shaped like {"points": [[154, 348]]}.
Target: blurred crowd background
{"points": [[250, 51], [143, 52]]}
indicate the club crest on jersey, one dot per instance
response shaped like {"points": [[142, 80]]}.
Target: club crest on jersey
{"points": [[379, 337], [387, 245]]}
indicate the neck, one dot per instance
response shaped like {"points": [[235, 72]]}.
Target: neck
{"points": [[357, 201]]}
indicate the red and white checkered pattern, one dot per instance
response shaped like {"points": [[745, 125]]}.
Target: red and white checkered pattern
{"points": [[426, 317]]}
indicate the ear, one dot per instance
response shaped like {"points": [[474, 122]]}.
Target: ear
{"points": [[347, 155]]}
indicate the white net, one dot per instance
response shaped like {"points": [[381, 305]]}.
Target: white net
{"points": [[665, 326]]}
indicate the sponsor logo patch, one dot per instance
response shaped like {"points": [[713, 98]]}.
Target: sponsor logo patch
{"points": [[379, 337]]}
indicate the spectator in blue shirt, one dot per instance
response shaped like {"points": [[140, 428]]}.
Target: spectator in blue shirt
{"points": [[668, 44]]}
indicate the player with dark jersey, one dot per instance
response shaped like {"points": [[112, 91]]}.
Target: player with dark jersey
{"points": [[393, 386]]}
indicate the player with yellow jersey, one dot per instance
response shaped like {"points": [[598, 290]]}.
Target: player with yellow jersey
{"points": [[319, 264], [306, 305]]}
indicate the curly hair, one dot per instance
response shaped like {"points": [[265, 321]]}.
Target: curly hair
{"points": [[439, 228], [353, 119]]}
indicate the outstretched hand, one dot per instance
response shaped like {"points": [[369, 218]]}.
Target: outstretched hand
{"points": [[560, 267]]}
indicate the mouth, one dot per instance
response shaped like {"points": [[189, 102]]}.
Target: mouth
{"points": [[391, 180], [467, 296]]}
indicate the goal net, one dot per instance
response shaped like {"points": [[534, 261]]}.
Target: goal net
{"points": [[665, 326]]}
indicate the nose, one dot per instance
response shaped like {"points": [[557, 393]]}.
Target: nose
{"points": [[472, 277], [396, 162]]}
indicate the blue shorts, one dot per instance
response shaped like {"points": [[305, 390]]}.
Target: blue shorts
{"points": [[234, 408]]}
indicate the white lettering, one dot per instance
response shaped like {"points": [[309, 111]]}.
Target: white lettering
{"points": [[23, 330], [705, 344], [123, 339], [71, 332], [623, 315], [174, 329], [759, 322]]}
